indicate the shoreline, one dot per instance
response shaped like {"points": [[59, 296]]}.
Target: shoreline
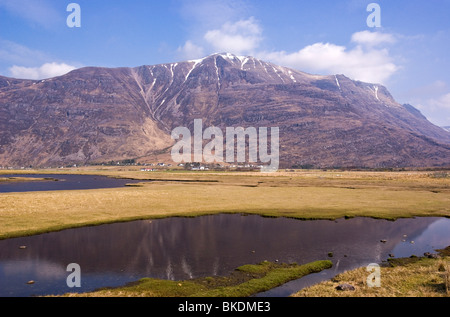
{"points": [[302, 195]]}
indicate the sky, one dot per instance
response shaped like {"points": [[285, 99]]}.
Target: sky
{"points": [[401, 44]]}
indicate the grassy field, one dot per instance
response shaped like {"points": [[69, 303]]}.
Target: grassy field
{"points": [[295, 194], [299, 194]]}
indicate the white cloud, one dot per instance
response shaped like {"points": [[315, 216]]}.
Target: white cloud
{"points": [[363, 62], [14, 53], [368, 60], [241, 37], [208, 19], [47, 70], [224, 26], [191, 51]]}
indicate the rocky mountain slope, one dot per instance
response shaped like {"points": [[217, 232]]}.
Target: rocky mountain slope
{"points": [[94, 115]]}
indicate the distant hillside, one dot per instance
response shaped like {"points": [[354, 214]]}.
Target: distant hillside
{"points": [[96, 115]]}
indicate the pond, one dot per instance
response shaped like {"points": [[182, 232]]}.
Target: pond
{"points": [[182, 248]]}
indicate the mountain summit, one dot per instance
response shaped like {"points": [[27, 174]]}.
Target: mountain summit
{"points": [[94, 115]]}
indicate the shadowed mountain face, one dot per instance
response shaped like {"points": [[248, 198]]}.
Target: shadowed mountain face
{"points": [[96, 115]]}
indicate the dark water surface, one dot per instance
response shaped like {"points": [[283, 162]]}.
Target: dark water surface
{"points": [[64, 182], [183, 248]]}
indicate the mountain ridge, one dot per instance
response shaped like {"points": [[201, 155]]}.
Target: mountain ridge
{"points": [[96, 114]]}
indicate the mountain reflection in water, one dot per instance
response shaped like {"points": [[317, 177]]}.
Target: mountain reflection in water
{"points": [[183, 248]]}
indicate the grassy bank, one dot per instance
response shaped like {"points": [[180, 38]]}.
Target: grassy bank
{"points": [[302, 195], [408, 277], [245, 281]]}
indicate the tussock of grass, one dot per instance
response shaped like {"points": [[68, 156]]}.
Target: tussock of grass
{"points": [[243, 282]]}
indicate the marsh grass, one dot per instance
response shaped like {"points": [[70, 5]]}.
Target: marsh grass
{"points": [[418, 278], [300, 195], [445, 269], [243, 282]]}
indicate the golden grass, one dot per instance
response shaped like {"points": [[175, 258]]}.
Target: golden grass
{"points": [[303, 195], [444, 267], [299, 194], [419, 279]]}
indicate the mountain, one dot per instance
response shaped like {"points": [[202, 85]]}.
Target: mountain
{"points": [[446, 128], [94, 115]]}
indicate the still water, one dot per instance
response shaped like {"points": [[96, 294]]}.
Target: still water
{"points": [[63, 182], [183, 248]]}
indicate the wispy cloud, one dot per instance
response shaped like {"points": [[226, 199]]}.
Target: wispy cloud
{"points": [[433, 100], [436, 109], [441, 103], [204, 15], [42, 12], [14, 53]]}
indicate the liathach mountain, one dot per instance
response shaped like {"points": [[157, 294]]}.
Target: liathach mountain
{"points": [[93, 115]]}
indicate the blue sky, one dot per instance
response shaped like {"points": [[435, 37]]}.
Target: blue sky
{"points": [[408, 53]]}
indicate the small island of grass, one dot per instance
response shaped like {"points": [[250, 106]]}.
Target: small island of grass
{"points": [[26, 179]]}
